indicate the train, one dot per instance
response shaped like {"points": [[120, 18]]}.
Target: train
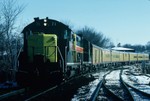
{"points": [[52, 52]]}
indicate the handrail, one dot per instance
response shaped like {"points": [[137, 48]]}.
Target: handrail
{"points": [[61, 59]]}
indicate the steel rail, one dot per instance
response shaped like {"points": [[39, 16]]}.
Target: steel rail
{"points": [[129, 92], [12, 93]]}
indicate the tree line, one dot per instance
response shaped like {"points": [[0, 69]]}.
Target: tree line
{"points": [[139, 48]]}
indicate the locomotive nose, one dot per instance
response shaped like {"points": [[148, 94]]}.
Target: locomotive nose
{"points": [[44, 45]]}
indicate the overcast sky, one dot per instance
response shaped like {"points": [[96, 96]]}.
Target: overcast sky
{"points": [[123, 21]]}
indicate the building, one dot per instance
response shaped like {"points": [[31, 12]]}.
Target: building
{"points": [[123, 49]]}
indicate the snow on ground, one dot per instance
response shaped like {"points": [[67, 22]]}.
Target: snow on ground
{"points": [[84, 93], [113, 78], [143, 80], [113, 75], [140, 82]]}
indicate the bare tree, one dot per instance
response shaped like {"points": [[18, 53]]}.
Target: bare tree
{"points": [[9, 13], [1, 38], [94, 37]]}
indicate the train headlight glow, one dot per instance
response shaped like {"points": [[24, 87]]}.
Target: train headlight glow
{"points": [[45, 24], [45, 20]]}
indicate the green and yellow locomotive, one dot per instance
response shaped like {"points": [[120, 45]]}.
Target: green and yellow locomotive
{"points": [[51, 52]]}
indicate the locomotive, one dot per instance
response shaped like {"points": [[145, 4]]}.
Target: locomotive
{"points": [[53, 52]]}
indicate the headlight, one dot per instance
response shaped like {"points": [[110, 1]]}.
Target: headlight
{"points": [[45, 24], [45, 20]]}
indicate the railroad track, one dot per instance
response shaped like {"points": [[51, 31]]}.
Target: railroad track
{"points": [[115, 85], [137, 93], [40, 94], [63, 92], [98, 88], [102, 93], [10, 94], [27, 94], [52, 93], [115, 89], [19, 95]]}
